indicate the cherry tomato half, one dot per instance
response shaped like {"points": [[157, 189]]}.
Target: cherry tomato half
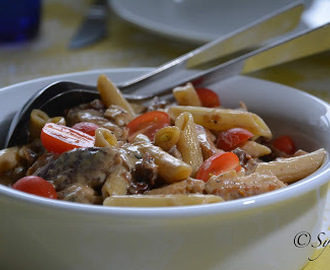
{"points": [[36, 185], [231, 138], [58, 139], [148, 123], [208, 97], [217, 164], [86, 127], [285, 144]]}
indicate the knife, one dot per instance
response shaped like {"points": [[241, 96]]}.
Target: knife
{"points": [[240, 42], [93, 27], [303, 44]]}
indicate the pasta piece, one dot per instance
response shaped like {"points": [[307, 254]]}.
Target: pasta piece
{"points": [[104, 138], [167, 137], [299, 152], [111, 95], [170, 168], [59, 120], [188, 144], [295, 168], [38, 119], [9, 159], [160, 200], [255, 149], [184, 187], [116, 183], [186, 95], [219, 119]]}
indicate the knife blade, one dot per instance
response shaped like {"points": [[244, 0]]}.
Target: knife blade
{"points": [[303, 44], [251, 36], [93, 27], [235, 44]]}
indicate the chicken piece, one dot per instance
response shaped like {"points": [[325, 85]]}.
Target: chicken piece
{"points": [[206, 141], [84, 167], [79, 193], [86, 111], [94, 114], [76, 115], [118, 115], [157, 104], [145, 170], [230, 186]]}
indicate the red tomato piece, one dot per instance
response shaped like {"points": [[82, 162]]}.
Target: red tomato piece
{"points": [[208, 97], [148, 123], [285, 144], [217, 164], [36, 185], [58, 139], [231, 138], [86, 127]]}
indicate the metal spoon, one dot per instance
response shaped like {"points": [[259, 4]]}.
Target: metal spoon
{"points": [[53, 100], [55, 97]]}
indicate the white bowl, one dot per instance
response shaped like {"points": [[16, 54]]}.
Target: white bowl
{"points": [[261, 232]]}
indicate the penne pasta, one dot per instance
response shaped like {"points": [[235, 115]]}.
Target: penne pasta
{"points": [[38, 119], [255, 149], [57, 120], [188, 144], [295, 168], [116, 183], [169, 167], [186, 95], [219, 119], [111, 95], [160, 200], [167, 137], [183, 187], [104, 138], [9, 159]]}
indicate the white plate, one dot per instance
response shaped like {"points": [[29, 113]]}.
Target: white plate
{"points": [[196, 21]]}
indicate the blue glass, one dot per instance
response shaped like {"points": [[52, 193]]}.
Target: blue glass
{"points": [[19, 20]]}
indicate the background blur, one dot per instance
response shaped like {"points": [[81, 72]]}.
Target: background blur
{"points": [[127, 45]]}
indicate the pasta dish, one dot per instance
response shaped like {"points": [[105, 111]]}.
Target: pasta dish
{"points": [[116, 153]]}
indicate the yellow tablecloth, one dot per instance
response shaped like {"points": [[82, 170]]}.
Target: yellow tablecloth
{"points": [[128, 46], [48, 54]]}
